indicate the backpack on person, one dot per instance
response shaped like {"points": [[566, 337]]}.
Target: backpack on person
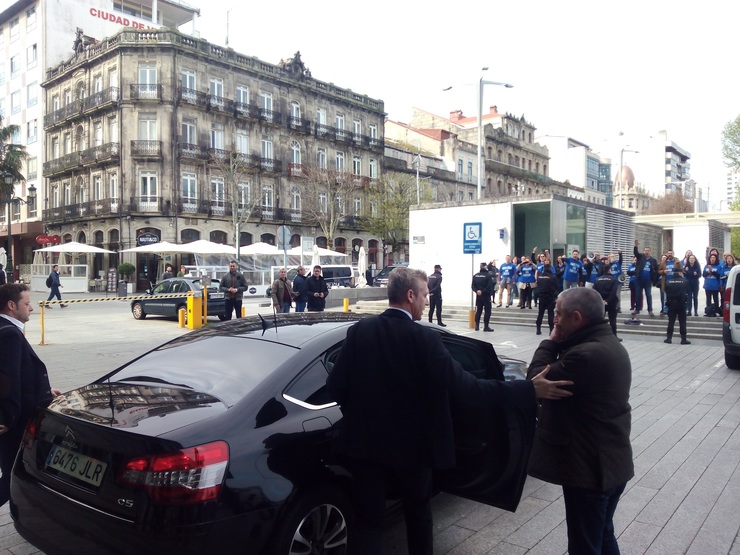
{"points": [[48, 281]]}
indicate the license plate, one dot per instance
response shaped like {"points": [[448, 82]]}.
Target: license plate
{"points": [[75, 465], [216, 296]]}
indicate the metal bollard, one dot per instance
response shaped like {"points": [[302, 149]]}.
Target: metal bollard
{"points": [[181, 317], [471, 317], [346, 305]]}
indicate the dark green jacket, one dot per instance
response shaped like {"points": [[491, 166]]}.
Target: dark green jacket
{"points": [[583, 441]]}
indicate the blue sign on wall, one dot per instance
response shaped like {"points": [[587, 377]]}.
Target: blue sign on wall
{"points": [[473, 238]]}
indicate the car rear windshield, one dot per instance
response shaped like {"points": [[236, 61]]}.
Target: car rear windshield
{"points": [[227, 368]]}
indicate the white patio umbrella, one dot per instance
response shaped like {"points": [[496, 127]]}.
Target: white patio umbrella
{"points": [[73, 247], [259, 248], [202, 246], [316, 258], [361, 267]]}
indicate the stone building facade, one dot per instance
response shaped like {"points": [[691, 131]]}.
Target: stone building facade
{"points": [[154, 132]]}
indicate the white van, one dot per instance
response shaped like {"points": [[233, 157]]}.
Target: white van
{"points": [[731, 319]]}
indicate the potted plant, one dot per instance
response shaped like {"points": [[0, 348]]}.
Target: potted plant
{"points": [[126, 270]]}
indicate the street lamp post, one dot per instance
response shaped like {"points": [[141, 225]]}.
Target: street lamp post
{"points": [[481, 84], [9, 199]]}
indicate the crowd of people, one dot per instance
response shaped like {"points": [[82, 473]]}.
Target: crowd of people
{"points": [[535, 281]]}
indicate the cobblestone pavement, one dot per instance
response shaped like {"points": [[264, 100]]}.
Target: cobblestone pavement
{"points": [[683, 499]]}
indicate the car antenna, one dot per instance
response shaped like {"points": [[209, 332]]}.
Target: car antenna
{"points": [[265, 325]]}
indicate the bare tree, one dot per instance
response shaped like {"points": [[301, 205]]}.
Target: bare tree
{"points": [[390, 198], [325, 198], [241, 195], [672, 203]]}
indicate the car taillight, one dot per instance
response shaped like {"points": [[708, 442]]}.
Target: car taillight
{"points": [[29, 434], [726, 305], [184, 477]]}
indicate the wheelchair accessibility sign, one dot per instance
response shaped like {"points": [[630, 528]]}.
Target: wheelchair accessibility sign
{"points": [[473, 238]]}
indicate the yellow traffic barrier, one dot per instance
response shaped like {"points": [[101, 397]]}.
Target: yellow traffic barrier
{"points": [[471, 317], [244, 311], [346, 305], [195, 312], [181, 317]]}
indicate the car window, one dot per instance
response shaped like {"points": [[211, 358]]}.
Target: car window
{"points": [[162, 288], [309, 389]]}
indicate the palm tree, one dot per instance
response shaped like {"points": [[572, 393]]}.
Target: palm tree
{"points": [[12, 155]]}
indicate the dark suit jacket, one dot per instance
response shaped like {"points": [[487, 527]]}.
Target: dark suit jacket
{"points": [[395, 380], [640, 264], [24, 383]]}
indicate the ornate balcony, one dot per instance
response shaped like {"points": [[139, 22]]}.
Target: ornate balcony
{"points": [[299, 124], [100, 100], [66, 163], [242, 109], [81, 211], [146, 204], [324, 131], [146, 91], [71, 110], [271, 116], [191, 96], [193, 152], [146, 149], [100, 154], [220, 104]]}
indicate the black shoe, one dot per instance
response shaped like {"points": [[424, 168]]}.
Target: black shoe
{"points": [[667, 340], [498, 305], [539, 332], [63, 305], [430, 320], [487, 329], [477, 327], [48, 307], [685, 342], [441, 324]]}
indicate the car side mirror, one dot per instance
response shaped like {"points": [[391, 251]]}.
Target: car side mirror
{"points": [[149, 291]]}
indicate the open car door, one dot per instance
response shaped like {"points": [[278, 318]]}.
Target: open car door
{"points": [[492, 444]]}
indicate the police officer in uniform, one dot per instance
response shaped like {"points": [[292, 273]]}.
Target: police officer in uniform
{"points": [[676, 287], [482, 286], [608, 287], [434, 282], [548, 286]]}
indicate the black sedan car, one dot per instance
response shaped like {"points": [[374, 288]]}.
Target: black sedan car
{"points": [[163, 299], [220, 441]]}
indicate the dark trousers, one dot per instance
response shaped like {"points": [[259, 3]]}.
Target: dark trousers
{"points": [[483, 303], [300, 307], [590, 515], [633, 295], [611, 313], [231, 305], [54, 293], [712, 301], [526, 296], [548, 305], [644, 286], [676, 309], [692, 297], [371, 483], [435, 303], [9, 443]]}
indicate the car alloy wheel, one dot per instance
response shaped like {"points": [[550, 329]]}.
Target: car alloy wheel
{"points": [[138, 311], [318, 522]]}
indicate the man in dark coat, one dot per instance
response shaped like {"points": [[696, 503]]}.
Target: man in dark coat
{"points": [[299, 289], [316, 291], [394, 381], [609, 287], [24, 382], [482, 286], [676, 287], [548, 286], [583, 443], [233, 285], [435, 295], [55, 285]]}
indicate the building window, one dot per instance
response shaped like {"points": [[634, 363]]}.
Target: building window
{"points": [[242, 95], [243, 190], [267, 197], [31, 56], [148, 187], [32, 131], [187, 85], [15, 102], [187, 130], [242, 141], [295, 199], [147, 126], [295, 109], [340, 162], [217, 195], [266, 151], [266, 105], [32, 168], [321, 158], [321, 116], [339, 122], [356, 128], [295, 148], [356, 165], [357, 205], [31, 19], [113, 129], [32, 92], [189, 191], [97, 188], [113, 186], [216, 89], [217, 136], [459, 169], [15, 29], [373, 169], [322, 203], [147, 81], [470, 172], [15, 65]]}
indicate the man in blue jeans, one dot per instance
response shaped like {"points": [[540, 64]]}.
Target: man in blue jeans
{"points": [[646, 273], [55, 285], [582, 443]]}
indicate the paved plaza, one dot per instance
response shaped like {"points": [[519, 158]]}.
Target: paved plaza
{"points": [[683, 499]]}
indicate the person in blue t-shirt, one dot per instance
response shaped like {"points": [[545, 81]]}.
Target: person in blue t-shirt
{"points": [[573, 269], [646, 271], [527, 276], [632, 283], [506, 275]]}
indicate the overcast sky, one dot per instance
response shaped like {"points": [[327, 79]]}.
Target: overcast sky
{"points": [[585, 69]]}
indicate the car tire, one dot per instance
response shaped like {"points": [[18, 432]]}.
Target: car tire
{"points": [[732, 361], [313, 522], [138, 311]]}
